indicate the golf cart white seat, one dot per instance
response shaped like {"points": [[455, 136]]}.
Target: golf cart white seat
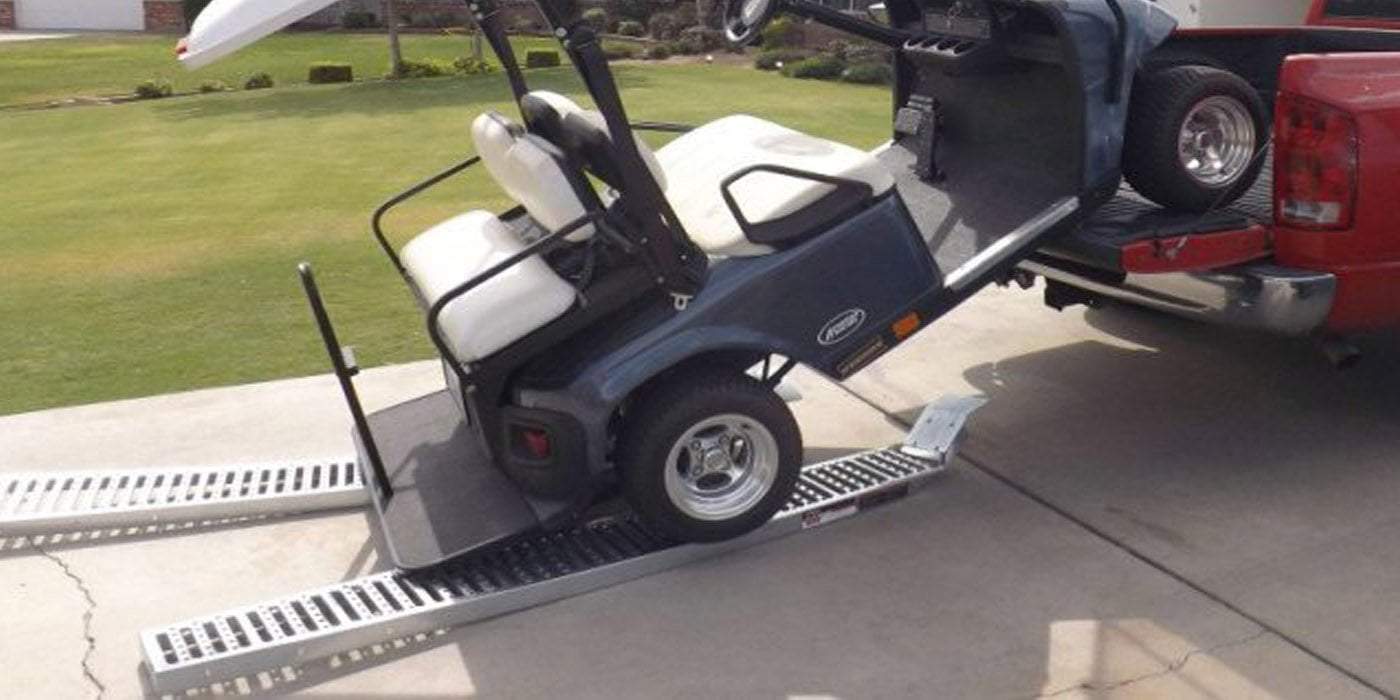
{"points": [[528, 174], [502, 309], [697, 162], [524, 297], [691, 168]]}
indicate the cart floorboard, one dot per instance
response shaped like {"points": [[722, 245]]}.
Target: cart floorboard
{"points": [[966, 212]]}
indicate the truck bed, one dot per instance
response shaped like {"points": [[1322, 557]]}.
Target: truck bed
{"points": [[1129, 218]]}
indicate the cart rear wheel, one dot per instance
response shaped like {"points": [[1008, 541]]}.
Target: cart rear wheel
{"points": [[709, 456], [1194, 137]]}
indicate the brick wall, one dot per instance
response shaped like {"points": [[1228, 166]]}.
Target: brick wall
{"points": [[164, 16], [7, 14]]}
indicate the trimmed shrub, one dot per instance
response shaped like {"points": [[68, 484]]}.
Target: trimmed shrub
{"points": [[426, 68], [664, 25], [541, 58], [597, 18], [213, 86], [868, 74], [837, 48], [629, 27], [862, 53], [154, 89], [657, 52], [819, 67], [782, 32], [258, 81], [699, 40], [618, 52], [325, 72], [687, 46], [358, 19], [471, 65], [770, 60]]}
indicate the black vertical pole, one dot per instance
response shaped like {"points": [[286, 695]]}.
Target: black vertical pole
{"points": [[344, 374]]}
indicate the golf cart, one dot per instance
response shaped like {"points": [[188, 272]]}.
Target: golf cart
{"points": [[628, 338]]}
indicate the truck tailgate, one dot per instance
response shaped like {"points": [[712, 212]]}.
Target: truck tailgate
{"points": [[1129, 218]]}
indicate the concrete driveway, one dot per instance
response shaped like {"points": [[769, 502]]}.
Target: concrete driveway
{"points": [[1147, 509]]}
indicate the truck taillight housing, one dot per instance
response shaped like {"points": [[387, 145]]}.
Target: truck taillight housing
{"points": [[1315, 164]]}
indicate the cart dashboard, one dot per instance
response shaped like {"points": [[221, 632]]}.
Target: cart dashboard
{"points": [[963, 19]]}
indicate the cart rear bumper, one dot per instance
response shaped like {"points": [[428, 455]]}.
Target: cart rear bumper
{"points": [[1258, 296]]}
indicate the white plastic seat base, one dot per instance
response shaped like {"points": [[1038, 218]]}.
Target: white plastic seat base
{"points": [[500, 311], [698, 161]]}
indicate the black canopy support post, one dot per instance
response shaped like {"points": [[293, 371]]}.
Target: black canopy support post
{"points": [[345, 374], [1118, 52], [680, 266], [488, 19]]}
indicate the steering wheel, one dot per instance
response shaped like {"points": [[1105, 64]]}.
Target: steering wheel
{"points": [[745, 19]]}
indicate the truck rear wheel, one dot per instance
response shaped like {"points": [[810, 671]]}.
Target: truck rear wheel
{"points": [[1194, 137], [709, 456]]}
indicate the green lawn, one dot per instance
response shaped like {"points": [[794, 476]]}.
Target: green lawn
{"points": [[151, 246], [105, 65]]}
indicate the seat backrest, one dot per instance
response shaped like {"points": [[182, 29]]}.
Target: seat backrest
{"points": [[532, 173], [583, 133]]}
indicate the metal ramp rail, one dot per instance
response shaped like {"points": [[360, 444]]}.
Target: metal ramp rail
{"points": [[246, 641], [41, 504]]}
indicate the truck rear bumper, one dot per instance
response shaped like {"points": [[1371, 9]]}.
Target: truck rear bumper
{"points": [[1259, 296]]}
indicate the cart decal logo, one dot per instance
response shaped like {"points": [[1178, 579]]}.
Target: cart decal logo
{"points": [[841, 327]]}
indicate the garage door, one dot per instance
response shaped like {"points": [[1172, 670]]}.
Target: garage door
{"points": [[79, 14]]}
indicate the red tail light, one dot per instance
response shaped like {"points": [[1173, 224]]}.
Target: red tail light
{"points": [[1314, 164], [533, 443]]}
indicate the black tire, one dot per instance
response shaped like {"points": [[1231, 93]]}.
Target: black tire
{"points": [[662, 418], [1161, 104]]}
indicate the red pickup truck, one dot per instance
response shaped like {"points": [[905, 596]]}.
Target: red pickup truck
{"points": [[1313, 246]]}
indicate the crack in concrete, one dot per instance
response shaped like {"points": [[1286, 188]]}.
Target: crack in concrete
{"points": [[87, 618], [1167, 670]]}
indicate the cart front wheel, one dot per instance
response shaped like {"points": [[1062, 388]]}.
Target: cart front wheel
{"points": [[709, 457]]}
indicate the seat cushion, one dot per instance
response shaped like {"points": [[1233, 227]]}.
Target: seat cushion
{"points": [[529, 174], [698, 161], [501, 310], [558, 117]]}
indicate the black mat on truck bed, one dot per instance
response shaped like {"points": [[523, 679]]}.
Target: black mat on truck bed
{"points": [[1129, 217]]}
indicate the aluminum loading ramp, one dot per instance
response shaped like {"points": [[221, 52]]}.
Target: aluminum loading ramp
{"points": [[244, 642], [54, 503]]}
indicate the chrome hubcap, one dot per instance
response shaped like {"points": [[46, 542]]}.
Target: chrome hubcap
{"points": [[721, 467], [1217, 141]]}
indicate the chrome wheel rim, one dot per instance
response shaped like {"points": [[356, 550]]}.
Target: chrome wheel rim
{"points": [[1217, 141], [721, 467]]}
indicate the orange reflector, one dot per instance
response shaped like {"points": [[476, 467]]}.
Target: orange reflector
{"points": [[905, 327]]}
